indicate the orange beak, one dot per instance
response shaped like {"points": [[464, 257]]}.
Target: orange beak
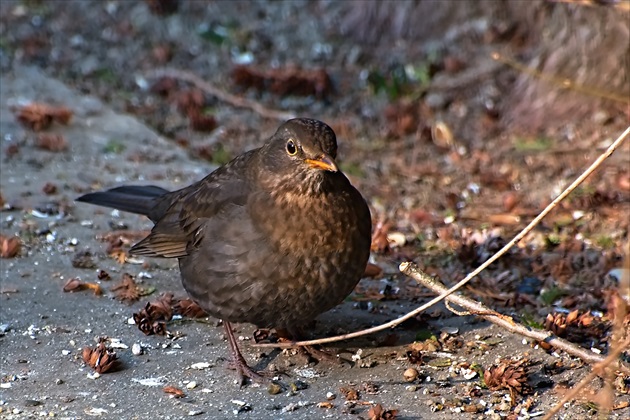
{"points": [[324, 163]]}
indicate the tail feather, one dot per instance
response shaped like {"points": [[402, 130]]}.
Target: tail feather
{"points": [[139, 199]]}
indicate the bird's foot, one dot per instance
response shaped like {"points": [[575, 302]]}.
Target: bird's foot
{"points": [[244, 372], [238, 362]]}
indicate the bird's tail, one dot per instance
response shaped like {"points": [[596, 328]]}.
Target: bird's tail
{"points": [[139, 199]]}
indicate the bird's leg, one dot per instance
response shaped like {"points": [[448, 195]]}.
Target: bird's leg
{"points": [[238, 362]]}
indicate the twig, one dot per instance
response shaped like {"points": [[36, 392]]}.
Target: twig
{"points": [[233, 100], [597, 370], [614, 146], [507, 322]]}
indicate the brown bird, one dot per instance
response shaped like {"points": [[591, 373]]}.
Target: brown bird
{"points": [[274, 238]]}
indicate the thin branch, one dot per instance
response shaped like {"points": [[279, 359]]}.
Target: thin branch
{"points": [[597, 370], [504, 321], [614, 146], [224, 96]]}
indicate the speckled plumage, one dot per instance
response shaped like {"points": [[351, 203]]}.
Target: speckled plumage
{"points": [[271, 238]]}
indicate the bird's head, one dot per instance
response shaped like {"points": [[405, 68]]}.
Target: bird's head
{"points": [[302, 152]]}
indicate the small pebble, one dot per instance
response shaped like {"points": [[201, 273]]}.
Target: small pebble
{"points": [[195, 412], [274, 389], [200, 365], [65, 352], [191, 385], [136, 349], [58, 381], [410, 375], [330, 396]]}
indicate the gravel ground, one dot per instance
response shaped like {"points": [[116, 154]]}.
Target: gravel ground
{"points": [[113, 139]]}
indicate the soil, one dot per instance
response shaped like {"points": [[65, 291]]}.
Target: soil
{"points": [[446, 182]]}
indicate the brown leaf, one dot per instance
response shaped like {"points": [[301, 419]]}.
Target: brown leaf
{"points": [[190, 100], [119, 255], [152, 319], [51, 142], [161, 309], [510, 375], [288, 80], [350, 394], [380, 244], [200, 121], [377, 412], [127, 290], [103, 275], [10, 246], [39, 116], [178, 393], [101, 359], [372, 270], [76, 285], [49, 188], [188, 308], [124, 237]]}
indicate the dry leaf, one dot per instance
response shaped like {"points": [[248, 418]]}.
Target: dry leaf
{"points": [[188, 308], [49, 188], [288, 80], [380, 243], [76, 285], [510, 375], [101, 359], [349, 393], [178, 393], [10, 246], [201, 122], [372, 270], [39, 116], [379, 413], [127, 290], [103, 275], [51, 142], [152, 319]]}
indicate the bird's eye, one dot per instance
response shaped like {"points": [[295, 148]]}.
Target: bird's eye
{"points": [[291, 148]]}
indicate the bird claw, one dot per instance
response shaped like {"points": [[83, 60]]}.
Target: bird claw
{"points": [[244, 372]]}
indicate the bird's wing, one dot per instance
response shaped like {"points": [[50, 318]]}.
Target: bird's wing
{"points": [[178, 228]]}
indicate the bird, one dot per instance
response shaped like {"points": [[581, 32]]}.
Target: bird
{"points": [[274, 237]]}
